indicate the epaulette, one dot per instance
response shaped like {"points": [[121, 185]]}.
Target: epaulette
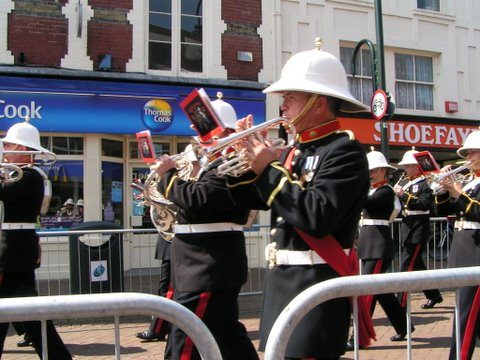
{"points": [[350, 133]]}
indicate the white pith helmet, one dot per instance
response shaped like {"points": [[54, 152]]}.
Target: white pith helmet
{"points": [[24, 134], [79, 202], [318, 72], [377, 160], [69, 202], [225, 111], [190, 152], [408, 158], [472, 142]]}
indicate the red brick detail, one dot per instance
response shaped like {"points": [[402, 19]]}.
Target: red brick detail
{"points": [[111, 4], [240, 70], [110, 38], [43, 40], [245, 11]]}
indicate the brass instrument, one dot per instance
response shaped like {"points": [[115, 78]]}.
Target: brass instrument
{"points": [[40, 157], [163, 212], [435, 178], [9, 172], [239, 164]]}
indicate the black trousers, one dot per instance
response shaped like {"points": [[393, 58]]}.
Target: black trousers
{"points": [[389, 302], [219, 312], [466, 300], [20, 284], [412, 261], [159, 326]]}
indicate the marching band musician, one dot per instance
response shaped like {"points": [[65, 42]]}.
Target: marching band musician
{"points": [[315, 191], [464, 202], [417, 200], [19, 244], [375, 243], [159, 328], [208, 256]]}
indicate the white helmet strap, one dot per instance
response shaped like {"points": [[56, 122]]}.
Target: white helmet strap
{"points": [[306, 109]]}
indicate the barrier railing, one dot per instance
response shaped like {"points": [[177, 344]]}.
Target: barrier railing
{"points": [[114, 305], [354, 286]]}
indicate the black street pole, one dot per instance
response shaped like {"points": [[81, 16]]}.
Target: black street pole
{"points": [[381, 73]]}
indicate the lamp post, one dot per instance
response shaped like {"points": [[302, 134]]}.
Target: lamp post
{"points": [[378, 72]]}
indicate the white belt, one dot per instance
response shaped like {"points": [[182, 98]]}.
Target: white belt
{"points": [[292, 257], [205, 228], [364, 222], [416, 212], [466, 225], [18, 226]]}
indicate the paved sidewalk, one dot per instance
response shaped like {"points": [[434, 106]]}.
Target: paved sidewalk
{"points": [[431, 339]]}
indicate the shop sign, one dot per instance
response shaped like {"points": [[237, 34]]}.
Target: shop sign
{"points": [[405, 133]]}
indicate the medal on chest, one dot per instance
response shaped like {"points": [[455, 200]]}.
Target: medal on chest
{"points": [[415, 188], [308, 169]]}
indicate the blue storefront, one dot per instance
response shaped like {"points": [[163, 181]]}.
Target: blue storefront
{"points": [[91, 124]]}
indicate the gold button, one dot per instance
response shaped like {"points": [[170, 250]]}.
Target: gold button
{"points": [[273, 232], [279, 219]]}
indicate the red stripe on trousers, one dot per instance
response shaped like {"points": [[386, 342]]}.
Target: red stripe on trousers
{"points": [[159, 323], [470, 328], [200, 312], [410, 268]]}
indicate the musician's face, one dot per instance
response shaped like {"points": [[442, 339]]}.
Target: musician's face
{"points": [[378, 175], [412, 170], [293, 103], [16, 158], [474, 157]]}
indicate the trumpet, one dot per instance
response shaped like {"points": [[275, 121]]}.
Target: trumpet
{"points": [[435, 178], [41, 157], [238, 164], [10, 172]]}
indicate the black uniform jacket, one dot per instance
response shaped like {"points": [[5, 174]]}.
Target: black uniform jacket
{"points": [[375, 241], [417, 197], [324, 196], [465, 250], [205, 261], [19, 249]]}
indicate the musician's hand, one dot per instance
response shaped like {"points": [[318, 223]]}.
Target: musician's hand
{"points": [[163, 164], [260, 154], [446, 168], [398, 190], [244, 124], [453, 187]]}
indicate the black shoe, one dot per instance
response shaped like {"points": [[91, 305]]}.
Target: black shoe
{"points": [[24, 342], [401, 336], [432, 302], [149, 336]]}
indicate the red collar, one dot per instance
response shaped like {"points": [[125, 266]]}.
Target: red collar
{"points": [[319, 131], [378, 184]]}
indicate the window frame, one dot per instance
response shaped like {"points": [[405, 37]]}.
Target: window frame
{"points": [[414, 82], [360, 75], [176, 43], [438, 3]]}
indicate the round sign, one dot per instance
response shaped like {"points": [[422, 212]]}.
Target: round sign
{"points": [[157, 115], [379, 104]]}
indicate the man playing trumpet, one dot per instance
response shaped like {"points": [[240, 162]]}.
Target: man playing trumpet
{"points": [[464, 202], [315, 191]]}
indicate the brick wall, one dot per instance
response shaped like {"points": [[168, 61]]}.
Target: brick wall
{"points": [[242, 19], [38, 30], [109, 32]]}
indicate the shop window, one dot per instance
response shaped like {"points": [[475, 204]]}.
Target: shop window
{"points": [[112, 192], [175, 32], [66, 205], [361, 85], [112, 148], [433, 5], [140, 213], [63, 145], [160, 149], [413, 82]]}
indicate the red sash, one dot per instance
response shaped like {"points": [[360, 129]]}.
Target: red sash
{"points": [[331, 251], [470, 328]]}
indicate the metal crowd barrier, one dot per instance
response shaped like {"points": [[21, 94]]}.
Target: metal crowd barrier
{"points": [[139, 271], [109, 305], [353, 286]]}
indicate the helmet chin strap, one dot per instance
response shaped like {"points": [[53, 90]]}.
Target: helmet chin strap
{"points": [[306, 109]]}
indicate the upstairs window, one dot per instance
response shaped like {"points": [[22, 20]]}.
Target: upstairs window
{"points": [[361, 85], [433, 5], [413, 82], [175, 40]]}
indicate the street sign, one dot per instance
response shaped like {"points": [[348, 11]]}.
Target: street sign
{"points": [[379, 104]]}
